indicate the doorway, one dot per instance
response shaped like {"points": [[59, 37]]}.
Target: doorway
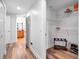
{"points": [[62, 29], [21, 30]]}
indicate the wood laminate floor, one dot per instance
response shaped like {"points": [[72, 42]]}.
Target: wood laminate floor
{"points": [[60, 54], [18, 51]]}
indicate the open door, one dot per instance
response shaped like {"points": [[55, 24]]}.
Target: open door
{"points": [[28, 22]]}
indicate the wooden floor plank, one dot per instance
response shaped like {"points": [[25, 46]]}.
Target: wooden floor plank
{"points": [[60, 54], [19, 52]]}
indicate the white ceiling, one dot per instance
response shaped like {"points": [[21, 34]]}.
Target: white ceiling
{"points": [[25, 5], [59, 4], [11, 5]]}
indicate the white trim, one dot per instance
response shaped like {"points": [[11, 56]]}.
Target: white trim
{"points": [[36, 55]]}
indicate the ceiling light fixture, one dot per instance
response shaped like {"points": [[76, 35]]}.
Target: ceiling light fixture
{"points": [[18, 8]]}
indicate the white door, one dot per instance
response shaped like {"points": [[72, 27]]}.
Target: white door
{"points": [[28, 23], [2, 33], [7, 30]]}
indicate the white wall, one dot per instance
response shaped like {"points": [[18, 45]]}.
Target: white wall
{"points": [[69, 26], [2, 30], [13, 28], [37, 14]]}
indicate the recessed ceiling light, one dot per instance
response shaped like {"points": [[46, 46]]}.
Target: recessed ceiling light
{"points": [[18, 8]]}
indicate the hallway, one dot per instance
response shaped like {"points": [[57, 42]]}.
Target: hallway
{"points": [[18, 51], [30, 29]]}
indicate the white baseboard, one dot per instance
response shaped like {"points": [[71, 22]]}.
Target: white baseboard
{"points": [[35, 53]]}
